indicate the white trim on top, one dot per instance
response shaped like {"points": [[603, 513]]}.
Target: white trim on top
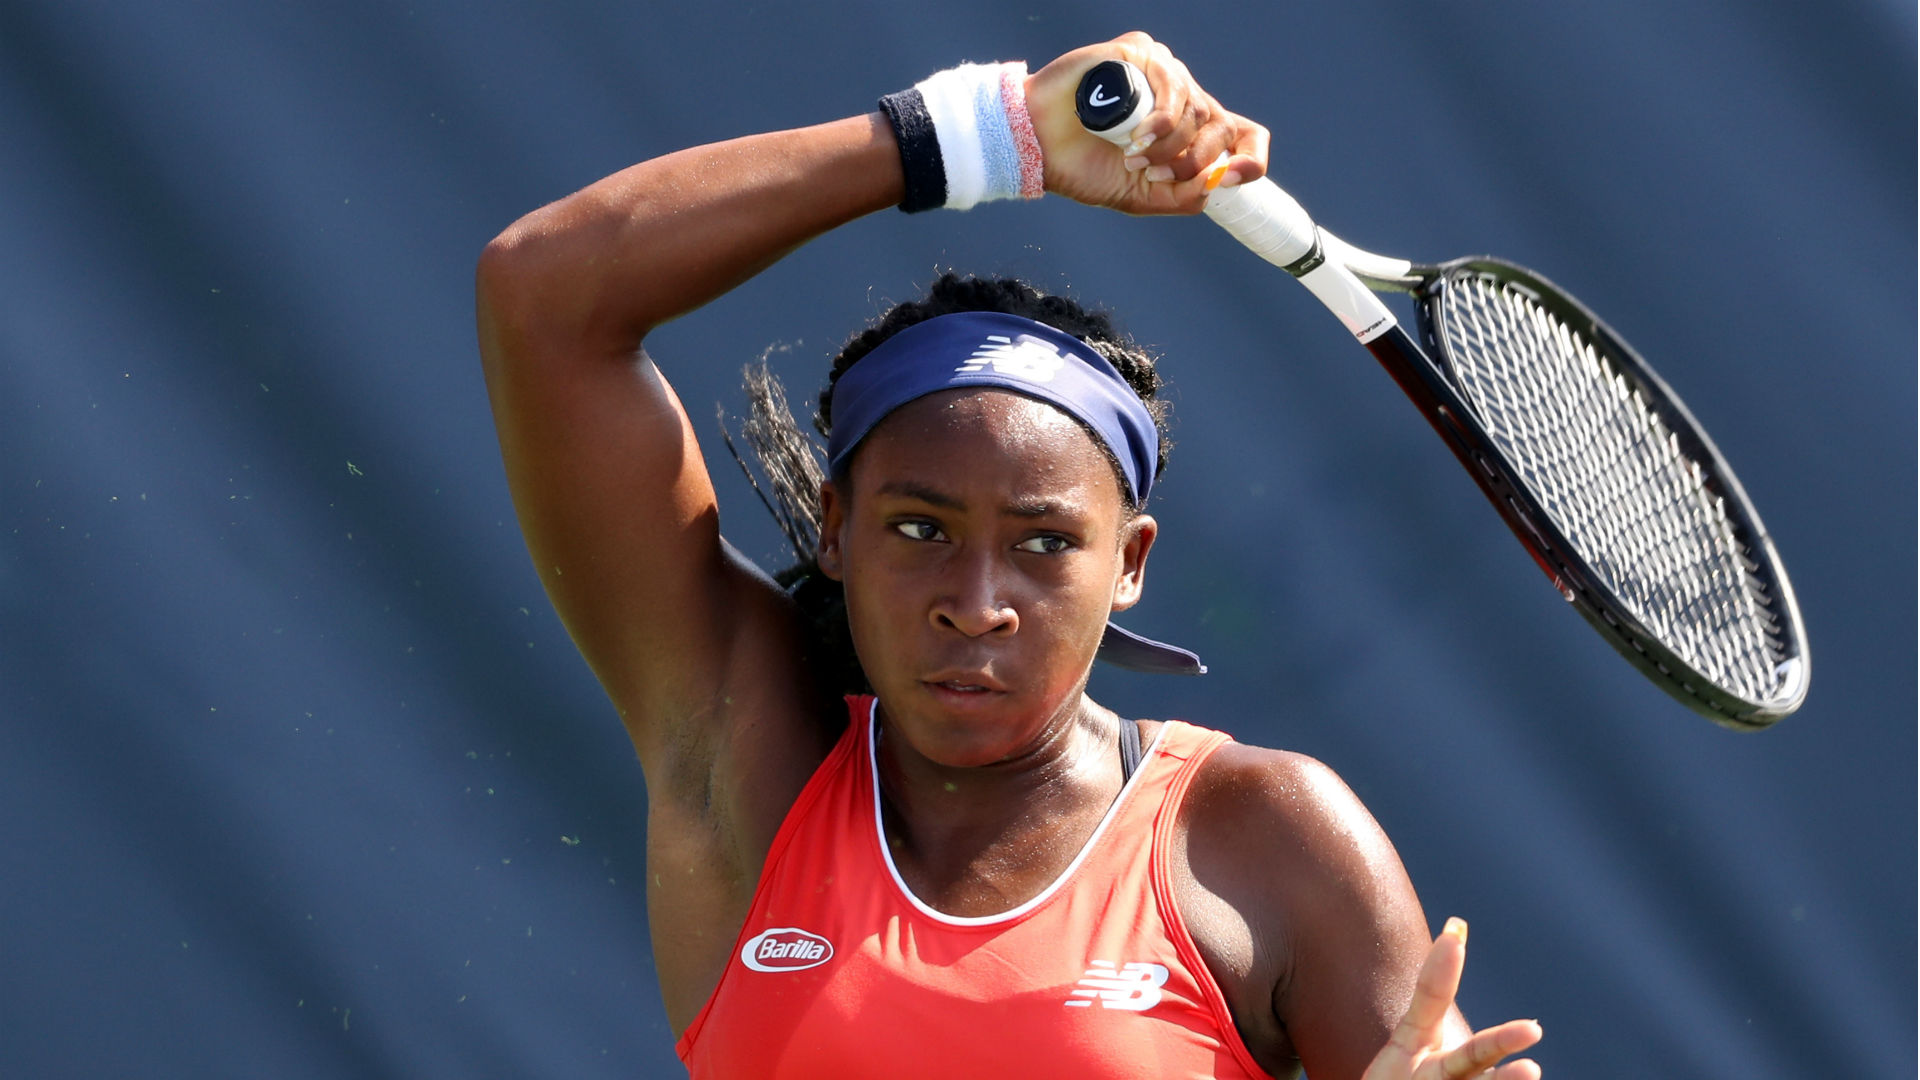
{"points": [[886, 853]]}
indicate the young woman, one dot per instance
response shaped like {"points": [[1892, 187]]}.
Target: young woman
{"points": [[969, 868]]}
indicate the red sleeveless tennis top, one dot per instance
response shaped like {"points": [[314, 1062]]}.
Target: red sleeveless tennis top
{"points": [[842, 972]]}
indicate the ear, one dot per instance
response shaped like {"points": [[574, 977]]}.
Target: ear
{"points": [[833, 517], [1136, 540]]}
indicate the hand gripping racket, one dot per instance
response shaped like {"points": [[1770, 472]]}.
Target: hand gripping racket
{"points": [[1594, 463]]}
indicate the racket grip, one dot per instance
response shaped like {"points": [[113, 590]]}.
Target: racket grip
{"points": [[1112, 100], [1270, 222]]}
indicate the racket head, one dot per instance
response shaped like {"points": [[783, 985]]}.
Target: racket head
{"points": [[1616, 490]]}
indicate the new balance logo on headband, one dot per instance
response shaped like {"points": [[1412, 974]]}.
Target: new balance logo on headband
{"points": [[1023, 357], [996, 349]]}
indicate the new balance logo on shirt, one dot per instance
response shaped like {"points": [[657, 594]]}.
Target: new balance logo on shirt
{"points": [[1134, 987], [1024, 357]]}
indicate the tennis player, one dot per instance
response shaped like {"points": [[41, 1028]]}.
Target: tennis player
{"points": [[888, 832]]}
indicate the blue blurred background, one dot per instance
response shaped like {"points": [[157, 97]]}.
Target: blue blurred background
{"points": [[300, 777]]}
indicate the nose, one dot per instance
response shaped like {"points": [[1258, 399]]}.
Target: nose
{"points": [[975, 602]]}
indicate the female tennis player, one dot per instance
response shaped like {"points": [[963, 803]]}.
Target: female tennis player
{"points": [[964, 867]]}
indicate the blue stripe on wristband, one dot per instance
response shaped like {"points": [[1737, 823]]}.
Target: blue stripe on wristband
{"points": [[958, 144], [997, 147]]}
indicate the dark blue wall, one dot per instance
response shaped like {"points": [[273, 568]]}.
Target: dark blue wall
{"points": [[299, 776]]}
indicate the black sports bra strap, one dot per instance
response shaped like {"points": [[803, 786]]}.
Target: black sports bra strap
{"points": [[1129, 748]]}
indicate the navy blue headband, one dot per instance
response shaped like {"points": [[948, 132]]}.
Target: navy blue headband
{"points": [[991, 349], [988, 348]]}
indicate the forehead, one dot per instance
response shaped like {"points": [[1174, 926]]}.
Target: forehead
{"points": [[984, 437]]}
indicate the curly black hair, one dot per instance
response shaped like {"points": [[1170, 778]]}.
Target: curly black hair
{"points": [[794, 464]]}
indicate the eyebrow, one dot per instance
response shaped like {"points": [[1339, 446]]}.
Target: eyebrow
{"points": [[1025, 508], [908, 489]]}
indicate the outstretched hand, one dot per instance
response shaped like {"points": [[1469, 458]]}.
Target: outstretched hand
{"points": [[1416, 1051], [1170, 167]]}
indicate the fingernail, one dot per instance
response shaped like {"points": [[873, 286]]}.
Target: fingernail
{"points": [[1232, 179], [1135, 163], [1160, 172], [1140, 144], [1456, 926]]}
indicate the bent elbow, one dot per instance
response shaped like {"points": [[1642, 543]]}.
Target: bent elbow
{"points": [[522, 293], [507, 274], [545, 283]]}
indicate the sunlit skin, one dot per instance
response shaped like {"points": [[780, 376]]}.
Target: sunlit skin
{"points": [[983, 547], [983, 541]]}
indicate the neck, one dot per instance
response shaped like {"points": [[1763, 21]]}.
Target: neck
{"points": [[985, 838]]}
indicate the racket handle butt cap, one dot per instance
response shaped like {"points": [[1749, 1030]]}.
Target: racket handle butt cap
{"points": [[1112, 99]]}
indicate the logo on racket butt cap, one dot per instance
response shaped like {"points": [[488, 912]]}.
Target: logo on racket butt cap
{"points": [[1109, 95]]}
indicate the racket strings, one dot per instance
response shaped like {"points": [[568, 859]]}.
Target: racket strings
{"points": [[1615, 481]]}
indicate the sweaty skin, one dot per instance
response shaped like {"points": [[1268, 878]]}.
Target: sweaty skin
{"points": [[992, 543], [983, 542]]}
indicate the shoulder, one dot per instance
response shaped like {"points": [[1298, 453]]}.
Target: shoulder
{"points": [[1292, 806], [1299, 900], [1286, 828]]}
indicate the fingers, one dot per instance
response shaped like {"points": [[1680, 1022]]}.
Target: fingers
{"points": [[1419, 1034], [1171, 83], [1188, 131], [1250, 154], [1185, 148], [1415, 1048], [1433, 990], [1179, 110], [1479, 1053]]}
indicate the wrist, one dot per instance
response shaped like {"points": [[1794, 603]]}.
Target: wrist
{"points": [[965, 137]]}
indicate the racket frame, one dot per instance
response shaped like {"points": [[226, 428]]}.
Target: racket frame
{"points": [[1271, 223], [1423, 371]]}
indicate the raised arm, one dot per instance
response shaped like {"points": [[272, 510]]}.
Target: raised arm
{"points": [[608, 263], [609, 483], [701, 654], [607, 478]]}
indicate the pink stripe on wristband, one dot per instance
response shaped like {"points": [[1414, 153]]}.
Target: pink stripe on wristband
{"points": [[1013, 99]]}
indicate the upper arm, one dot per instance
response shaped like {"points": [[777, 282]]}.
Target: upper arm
{"points": [[1325, 899], [704, 657], [607, 479], [616, 506], [1356, 931], [619, 515]]}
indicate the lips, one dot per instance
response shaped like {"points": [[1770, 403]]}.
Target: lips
{"points": [[966, 682]]}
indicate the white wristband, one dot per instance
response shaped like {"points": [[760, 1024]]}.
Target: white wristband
{"points": [[983, 138]]}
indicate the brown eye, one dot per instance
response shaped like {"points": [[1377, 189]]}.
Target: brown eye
{"points": [[1044, 545], [920, 530]]}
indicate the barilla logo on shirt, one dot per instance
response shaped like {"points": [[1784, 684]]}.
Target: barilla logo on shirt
{"points": [[786, 948]]}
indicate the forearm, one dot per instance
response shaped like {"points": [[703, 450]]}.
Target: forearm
{"points": [[605, 265]]}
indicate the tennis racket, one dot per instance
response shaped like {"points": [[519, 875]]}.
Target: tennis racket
{"points": [[1594, 463]]}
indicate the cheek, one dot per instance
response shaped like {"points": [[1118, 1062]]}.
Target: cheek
{"points": [[1073, 596], [882, 597]]}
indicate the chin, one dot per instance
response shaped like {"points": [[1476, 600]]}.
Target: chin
{"points": [[965, 728]]}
